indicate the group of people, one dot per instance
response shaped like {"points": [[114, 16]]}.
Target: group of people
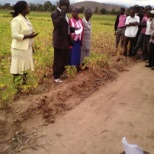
{"points": [[72, 37], [137, 30]]}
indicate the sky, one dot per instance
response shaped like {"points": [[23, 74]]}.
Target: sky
{"points": [[123, 2]]}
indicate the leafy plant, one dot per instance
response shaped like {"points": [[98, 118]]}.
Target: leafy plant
{"points": [[102, 45], [96, 60], [71, 71]]}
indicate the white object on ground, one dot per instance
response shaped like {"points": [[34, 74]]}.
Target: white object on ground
{"points": [[58, 81], [131, 148]]}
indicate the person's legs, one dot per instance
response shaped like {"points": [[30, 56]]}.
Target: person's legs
{"points": [[118, 35], [57, 63], [132, 44], [24, 77], [65, 59], [83, 53], [152, 55], [139, 44], [76, 54], [15, 76], [125, 46], [137, 37], [87, 53], [145, 48], [148, 44], [122, 37]]}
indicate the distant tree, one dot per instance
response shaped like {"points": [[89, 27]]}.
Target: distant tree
{"points": [[113, 11], [102, 11], [82, 9], [53, 7], [96, 10], [47, 6], [33, 7], [40, 7], [7, 6]]}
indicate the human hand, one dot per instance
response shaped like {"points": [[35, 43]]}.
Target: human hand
{"points": [[76, 28], [32, 35]]}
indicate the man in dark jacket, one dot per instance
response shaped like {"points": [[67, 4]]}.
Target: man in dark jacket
{"points": [[61, 39]]}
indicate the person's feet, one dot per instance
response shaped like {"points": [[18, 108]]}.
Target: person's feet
{"points": [[64, 76], [152, 68], [131, 55], [145, 58], [79, 69], [125, 54], [58, 81], [148, 66]]}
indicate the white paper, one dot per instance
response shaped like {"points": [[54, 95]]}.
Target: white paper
{"points": [[131, 148]]}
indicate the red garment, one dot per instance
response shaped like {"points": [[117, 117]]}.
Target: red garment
{"points": [[77, 24], [145, 18]]}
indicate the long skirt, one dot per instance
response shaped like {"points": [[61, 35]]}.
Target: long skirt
{"points": [[21, 61], [76, 54]]}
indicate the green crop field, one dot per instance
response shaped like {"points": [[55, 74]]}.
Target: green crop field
{"points": [[102, 42]]}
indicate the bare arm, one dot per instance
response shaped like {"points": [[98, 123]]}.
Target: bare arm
{"points": [[133, 24]]}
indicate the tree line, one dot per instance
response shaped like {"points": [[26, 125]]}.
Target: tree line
{"points": [[48, 6]]}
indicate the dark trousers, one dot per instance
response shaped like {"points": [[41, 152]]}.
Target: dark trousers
{"points": [[139, 43], [61, 59], [131, 46], [146, 46], [137, 36], [151, 55]]}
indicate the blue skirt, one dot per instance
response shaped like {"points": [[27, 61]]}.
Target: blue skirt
{"points": [[76, 54]]}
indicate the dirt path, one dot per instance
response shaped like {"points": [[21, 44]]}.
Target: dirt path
{"points": [[124, 107]]}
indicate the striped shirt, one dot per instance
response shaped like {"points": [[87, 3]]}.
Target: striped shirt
{"points": [[77, 24]]}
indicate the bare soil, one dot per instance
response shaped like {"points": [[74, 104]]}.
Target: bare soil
{"points": [[88, 114]]}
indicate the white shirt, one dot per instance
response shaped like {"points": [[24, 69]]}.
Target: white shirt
{"points": [[148, 27], [131, 31]]}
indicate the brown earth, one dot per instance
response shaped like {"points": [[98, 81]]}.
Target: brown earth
{"points": [[99, 114]]}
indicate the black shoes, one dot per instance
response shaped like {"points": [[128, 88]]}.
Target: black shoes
{"points": [[152, 68], [148, 66]]}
